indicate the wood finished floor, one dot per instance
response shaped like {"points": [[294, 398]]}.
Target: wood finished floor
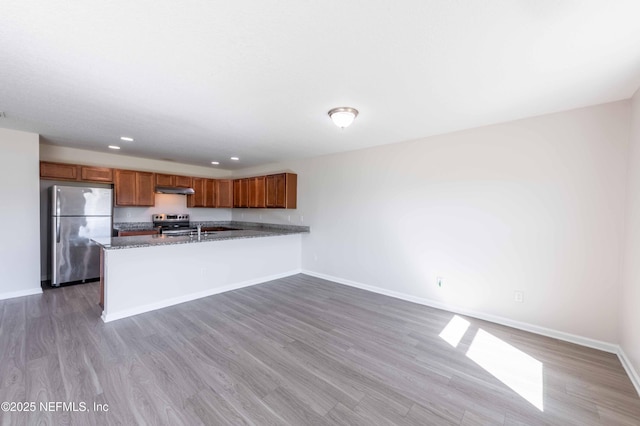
{"points": [[296, 351]]}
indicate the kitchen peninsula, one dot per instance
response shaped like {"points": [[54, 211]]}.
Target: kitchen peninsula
{"points": [[144, 273]]}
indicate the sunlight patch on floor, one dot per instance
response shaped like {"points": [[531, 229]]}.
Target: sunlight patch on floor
{"points": [[521, 372], [455, 329]]}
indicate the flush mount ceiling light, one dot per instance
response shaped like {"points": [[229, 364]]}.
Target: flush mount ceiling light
{"points": [[113, 147], [215, 163], [235, 158], [343, 116], [125, 138]]}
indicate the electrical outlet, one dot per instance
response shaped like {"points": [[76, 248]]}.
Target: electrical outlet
{"points": [[203, 271], [518, 296], [301, 218], [440, 281], [289, 218]]}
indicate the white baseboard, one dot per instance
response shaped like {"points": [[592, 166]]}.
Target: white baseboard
{"points": [[21, 293], [193, 296], [628, 367], [556, 334]]}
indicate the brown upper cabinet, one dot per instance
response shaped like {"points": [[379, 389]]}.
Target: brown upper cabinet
{"points": [[133, 188], [200, 188], [212, 193], [183, 181], [224, 193], [205, 195], [173, 180], [241, 193], [75, 172], [58, 171], [282, 191], [272, 191], [96, 174], [257, 191]]}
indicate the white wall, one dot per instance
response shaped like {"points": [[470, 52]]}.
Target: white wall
{"points": [[19, 246], [534, 205], [630, 302]]}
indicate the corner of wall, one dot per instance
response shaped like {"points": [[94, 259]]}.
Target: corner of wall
{"points": [[629, 368], [20, 246], [629, 318]]}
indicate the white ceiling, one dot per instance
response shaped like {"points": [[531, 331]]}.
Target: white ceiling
{"points": [[197, 81]]}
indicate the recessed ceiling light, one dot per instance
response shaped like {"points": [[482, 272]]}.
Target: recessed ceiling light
{"points": [[235, 158], [215, 163], [125, 138], [114, 147]]}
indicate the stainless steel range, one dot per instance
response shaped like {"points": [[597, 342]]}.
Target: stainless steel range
{"points": [[178, 224], [172, 224]]}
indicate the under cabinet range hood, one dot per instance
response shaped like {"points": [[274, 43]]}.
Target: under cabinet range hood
{"points": [[174, 190]]}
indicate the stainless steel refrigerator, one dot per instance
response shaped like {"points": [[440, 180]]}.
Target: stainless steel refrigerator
{"points": [[78, 214]]}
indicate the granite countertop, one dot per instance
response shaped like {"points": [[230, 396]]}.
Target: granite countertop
{"points": [[248, 230], [133, 226]]}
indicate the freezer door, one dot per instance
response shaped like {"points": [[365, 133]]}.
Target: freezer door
{"points": [[80, 201], [75, 256]]}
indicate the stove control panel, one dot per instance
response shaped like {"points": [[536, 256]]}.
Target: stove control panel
{"points": [[165, 217]]}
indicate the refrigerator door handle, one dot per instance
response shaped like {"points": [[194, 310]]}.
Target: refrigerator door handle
{"points": [[57, 230], [57, 203]]}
